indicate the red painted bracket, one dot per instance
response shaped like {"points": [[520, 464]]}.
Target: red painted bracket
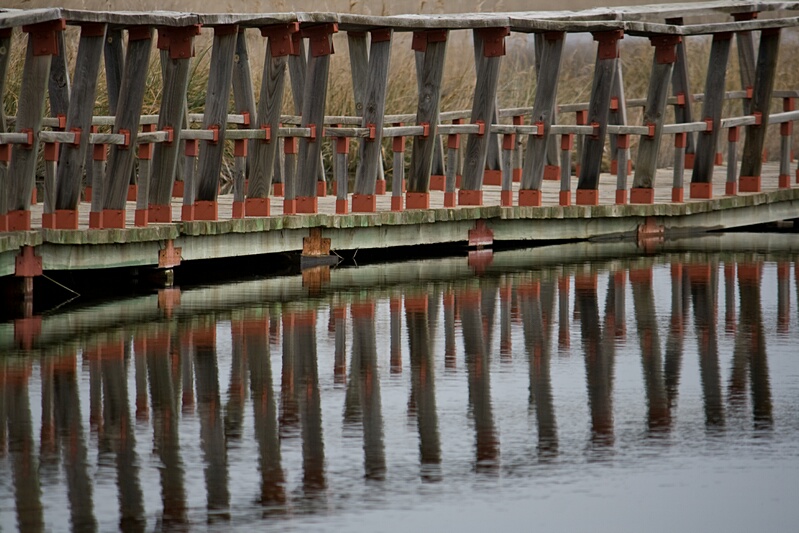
{"points": [[245, 115], [372, 132], [680, 99], [319, 39], [425, 130], [614, 103], [92, 29], [595, 134], [481, 127], [734, 134], [170, 134], [608, 43], [509, 141], [226, 29], [28, 264], [169, 256], [681, 140], [739, 17], [567, 141], [43, 36], [665, 48], [651, 130], [312, 138], [381, 35], [139, 33], [50, 152], [5, 153], [267, 129], [623, 141], [240, 148], [581, 117], [178, 40], [758, 118], [493, 40], [398, 143], [281, 39], [28, 144], [290, 145], [192, 148], [343, 145], [99, 152], [539, 129], [422, 38], [214, 129], [709, 122], [126, 135]]}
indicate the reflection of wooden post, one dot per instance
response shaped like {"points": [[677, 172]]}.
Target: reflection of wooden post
{"points": [[564, 317], [339, 317], [674, 342], [395, 312], [783, 297], [729, 297], [505, 344], [449, 330]]}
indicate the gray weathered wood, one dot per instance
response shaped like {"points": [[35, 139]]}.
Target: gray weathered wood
{"points": [[341, 175], [654, 114], [430, 76], [114, 66], [678, 175], [621, 168], [398, 174], [171, 115], [72, 158], [732, 163], [437, 167], [5, 56], [374, 106], [30, 111], [239, 176], [751, 158], [97, 184], [58, 86], [619, 117], [359, 67], [680, 85], [746, 65], [598, 111], [543, 106], [131, 96], [453, 157], [313, 112], [552, 145], [711, 109], [216, 103], [243, 96], [298, 68], [189, 180], [264, 155], [145, 167], [485, 92]]}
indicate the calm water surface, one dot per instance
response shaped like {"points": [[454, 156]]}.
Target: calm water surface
{"points": [[528, 392]]}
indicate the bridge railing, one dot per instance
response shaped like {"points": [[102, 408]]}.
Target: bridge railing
{"points": [[149, 158]]}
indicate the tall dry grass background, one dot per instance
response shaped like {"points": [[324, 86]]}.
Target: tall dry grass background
{"points": [[516, 88]]}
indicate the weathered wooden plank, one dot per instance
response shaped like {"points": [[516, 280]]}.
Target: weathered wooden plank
{"points": [[598, 111], [746, 65], [359, 67], [114, 66], [217, 96], [131, 96], [427, 113], [618, 117], [437, 167], [264, 154], [58, 86], [654, 115], [5, 56], [370, 149], [313, 114], [170, 118], [751, 157], [485, 93], [542, 114], [681, 90], [72, 158], [711, 112], [298, 68], [243, 96]]}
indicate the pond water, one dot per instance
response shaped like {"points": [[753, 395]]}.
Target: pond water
{"points": [[575, 388]]}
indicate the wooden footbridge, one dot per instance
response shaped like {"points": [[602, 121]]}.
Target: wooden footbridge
{"points": [[134, 189]]}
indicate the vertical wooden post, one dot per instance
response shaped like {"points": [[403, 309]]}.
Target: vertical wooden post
{"points": [[217, 94], [566, 147], [437, 172], [598, 111], [145, 157], [489, 48], [178, 45], [313, 114], [58, 92], [752, 159], [42, 46], [239, 176], [678, 178], [290, 196], [50, 169], [265, 151], [191, 151], [733, 136], [786, 129], [746, 59], [99, 154], [370, 149], [432, 45], [398, 171], [643, 191], [342, 174], [453, 164], [680, 88], [702, 176], [552, 168], [121, 158], [618, 117], [243, 96], [114, 55], [508, 147], [5, 149], [622, 150], [72, 158], [542, 116]]}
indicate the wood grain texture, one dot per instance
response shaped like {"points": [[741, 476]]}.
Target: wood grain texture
{"points": [[370, 151], [746, 65], [711, 110], [485, 94], [654, 113], [432, 70], [243, 95], [30, 111], [751, 157], [619, 117], [543, 106], [217, 96], [131, 96], [172, 115], [114, 54], [313, 112], [359, 67], [264, 155], [680, 84], [72, 158], [598, 111], [5, 56], [58, 86]]}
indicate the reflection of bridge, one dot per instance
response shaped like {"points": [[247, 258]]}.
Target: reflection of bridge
{"points": [[109, 180], [280, 365]]}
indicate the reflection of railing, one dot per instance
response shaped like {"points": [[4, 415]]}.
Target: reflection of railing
{"points": [[173, 366], [168, 150]]}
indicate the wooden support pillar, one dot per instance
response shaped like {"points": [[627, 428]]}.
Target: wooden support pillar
{"points": [[290, 196], [50, 169], [489, 46], [191, 151], [398, 170], [42, 46], [566, 147], [72, 157], [342, 174], [542, 117], [618, 117], [217, 94], [58, 93], [453, 178], [551, 169], [746, 59], [239, 177], [733, 136], [431, 45], [508, 148], [145, 157], [680, 88], [678, 178], [786, 129], [243, 96], [751, 159], [279, 46], [5, 149], [114, 56], [313, 114], [643, 191], [99, 154], [702, 176], [178, 45], [622, 152], [437, 171], [374, 105], [121, 158], [598, 111]]}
